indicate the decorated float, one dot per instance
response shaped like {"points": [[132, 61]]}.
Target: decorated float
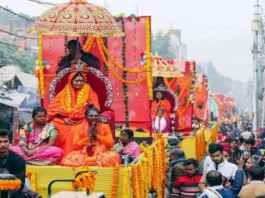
{"points": [[123, 87], [201, 99]]}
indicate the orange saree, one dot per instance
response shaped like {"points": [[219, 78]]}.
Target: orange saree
{"points": [[164, 104], [101, 154], [71, 104]]}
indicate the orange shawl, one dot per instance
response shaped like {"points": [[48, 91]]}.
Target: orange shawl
{"points": [[165, 104], [58, 107], [101, 154]]}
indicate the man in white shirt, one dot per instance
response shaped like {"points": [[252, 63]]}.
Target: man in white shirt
{"points": [[227, 169]]}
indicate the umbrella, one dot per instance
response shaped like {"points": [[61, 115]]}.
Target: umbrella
{"points": [[77, 18]]}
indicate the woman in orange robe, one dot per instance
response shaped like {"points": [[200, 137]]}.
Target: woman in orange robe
{"points": [[67, 110], [92, 143], [160, 102]]}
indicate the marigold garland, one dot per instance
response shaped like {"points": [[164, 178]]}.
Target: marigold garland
{"points": [[141, 180], [124, 76], [41, 75], [135, 181], [85, 180], [112, 71], [9, 185], [66, 98], [148, 65], [89, 43], [31, 175], [112, 59], [125, 183], [115, 181]]}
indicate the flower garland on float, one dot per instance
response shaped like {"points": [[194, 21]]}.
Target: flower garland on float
{"points": [[85, 180], [115, 181], [135, 181], [31, 175], [40, 66], [125, 183], [9, 185], [148, 65], [89, 44], [110, 68], [66, 99]]}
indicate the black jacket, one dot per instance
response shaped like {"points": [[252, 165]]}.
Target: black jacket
{"points": [[16, 165]]}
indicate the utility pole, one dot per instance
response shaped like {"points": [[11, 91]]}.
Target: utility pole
{"points": [[258, 50]]}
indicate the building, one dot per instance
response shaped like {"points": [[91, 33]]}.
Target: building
{"points": [[178, 46]]}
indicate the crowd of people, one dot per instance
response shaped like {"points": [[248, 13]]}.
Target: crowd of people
{"points": [[234, 167]]}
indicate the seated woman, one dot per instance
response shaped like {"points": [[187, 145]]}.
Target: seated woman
{"points": [[127, 145], [160, 102], [92, 143], [67, 110], [36, 141], [160, 123]]}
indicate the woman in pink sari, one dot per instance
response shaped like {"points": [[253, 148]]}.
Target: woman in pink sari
{"points": [[36, 141]]}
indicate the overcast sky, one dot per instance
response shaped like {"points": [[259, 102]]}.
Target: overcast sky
{"points": [[214, 30]]}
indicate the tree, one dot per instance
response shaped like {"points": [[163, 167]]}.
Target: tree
{"points": [[23, 58], [161, 44]]}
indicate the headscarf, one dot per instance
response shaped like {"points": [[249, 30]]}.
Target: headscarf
{"points": [[73, 92], [227, 149]]}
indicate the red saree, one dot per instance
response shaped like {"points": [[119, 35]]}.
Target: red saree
{"points": [[71, 104]]}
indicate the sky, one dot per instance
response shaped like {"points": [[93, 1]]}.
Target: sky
{"points": [[214, 30]]}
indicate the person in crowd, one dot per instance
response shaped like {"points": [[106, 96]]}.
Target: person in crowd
{"points": [[262, 136], [249, 146], [246, 134], [92, 143], [226, 143], [227, 154], [127, 145], [186, 186], [176, 167], [227, 169], [207, 162], [223, 135], [216, 189], [67, 110], [76, 53], [234, 131], [256, 186], [253, 161], [160, 102], [236, 152], [11, 163], [160, 123], [241, 143], [196, 125], [36, 141]]}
